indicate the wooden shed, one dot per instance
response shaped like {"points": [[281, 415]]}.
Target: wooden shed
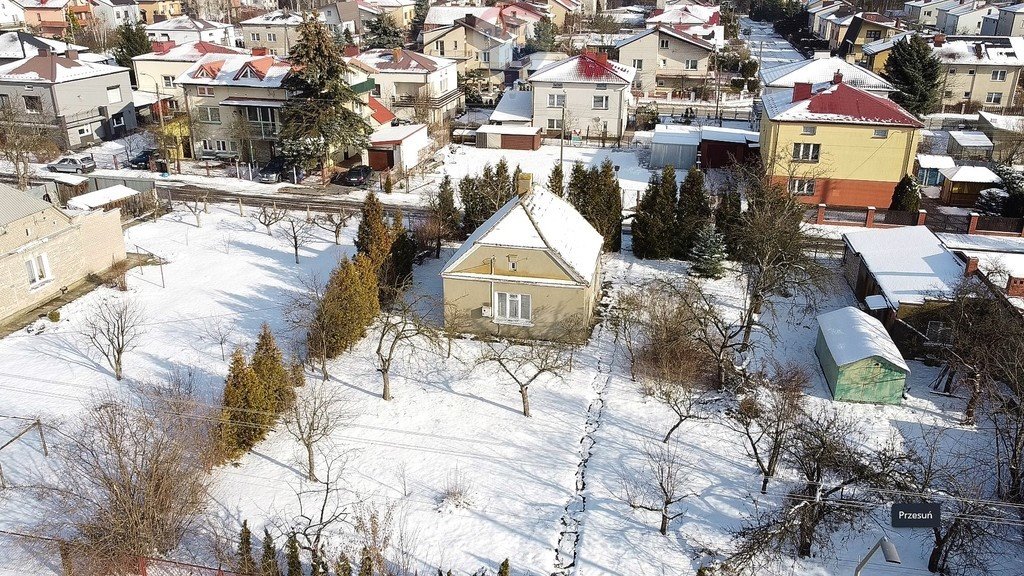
{"points": [[508, 137], [860, 361], [962, 185]]}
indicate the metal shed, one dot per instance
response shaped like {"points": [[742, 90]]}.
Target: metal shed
{"points": [[675, 145], [859, 359]]}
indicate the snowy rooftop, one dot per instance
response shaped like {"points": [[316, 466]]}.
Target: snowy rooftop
{"points": [[539, 220], [982, 50], [674, 134], [514, 106], [978, 174], [55, 69], [509, 129], [1003, 122], [852, 335], [184, 23], [935, 161], [668, 31], [395, 133], [823, 70], [17, 45], [447, 15], [922, 268], [101, 197], [587, 68], [970, 138], [837, 103], [189, 52], [277, 18], [237, 70], [384, 60]]}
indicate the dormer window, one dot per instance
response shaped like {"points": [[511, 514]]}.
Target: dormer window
{"points": [[247, 73]]}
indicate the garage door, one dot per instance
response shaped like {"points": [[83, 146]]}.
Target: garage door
{"points": [[381, 160], [517, 141]]}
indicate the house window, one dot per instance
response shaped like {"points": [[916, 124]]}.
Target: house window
{"points": [[33, 104], [690, 64], [805, 152], [255, 37], [5, 101], [117, 120], [271, 37], [248, 73], [556, 100], [938, 333], [952, 70], [881, 133], [602, 86], [970, 71], [554, 123], [38, 268], [638, 64], [947, 94], [998, 75], [967, 95], [801, 187], [663, 43], [272, 52], [209, 114], [485, 56], [439, 47], [85, 131], [873, 34], [556, 85], [204, 91], [662, 63], [113, 94], [809, 130], [168, 81], [600, 102], [512, 307], [994, 98]]}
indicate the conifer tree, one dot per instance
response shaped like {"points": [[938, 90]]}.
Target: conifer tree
{"points": [[268, 560], [383, 32], [373, 236], [906, 196], [654, 222], [708, 253], [292, 559], [556, 181], [608, 218], [473, 204], [243, 419], [268, 364], [446, 210], [346, 38], [692, 211], [349, 305], [579, 185], [915, 72], [343, 567], [245, 563], [131, 41], [503, 570], [389, 184], [366, 563]]}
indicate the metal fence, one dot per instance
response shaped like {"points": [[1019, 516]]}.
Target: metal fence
{"points": [[856, 215], [1000, 224], [953, 223], [896, 218]]}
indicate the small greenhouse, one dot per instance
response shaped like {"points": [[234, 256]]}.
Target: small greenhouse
{"points": [[860, 361]]}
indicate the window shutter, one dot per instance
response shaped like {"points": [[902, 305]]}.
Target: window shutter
{"points": [[526, 306]]}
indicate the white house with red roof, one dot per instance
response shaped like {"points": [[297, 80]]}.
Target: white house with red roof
{"points": [[836, 144], [156, 71], [589, 93], [412, 84]]}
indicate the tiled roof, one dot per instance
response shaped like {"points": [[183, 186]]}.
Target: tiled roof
{"points": [[447, 15], [822, 70], [54, 69], [380, 112], [189, 52], [586, 68], [383, 59], [837, 104], [55, 4], [226, 70]]}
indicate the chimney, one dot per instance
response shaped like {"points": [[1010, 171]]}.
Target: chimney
{"points": [[837, 78], [979, 50], [801, 91], [970, 267], [938, 40], [602, 57], [162, 45], [524, 184], [71, 54], [1015, 287], [470, 20], [43, 52], [260, 51], [396, 54], [351, 50]]}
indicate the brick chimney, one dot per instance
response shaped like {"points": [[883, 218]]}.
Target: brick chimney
{"points": [[801, 91], [71, 54], [162, 45], [602, 57], [43, 52], [470, 20], [970, 267], [260, 51], [524, 184], [837, 78], [1015, 287], [938, 40], [396, 54], [351, 50]]}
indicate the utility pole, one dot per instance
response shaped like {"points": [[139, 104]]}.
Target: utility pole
{"points": [[561, 139]]}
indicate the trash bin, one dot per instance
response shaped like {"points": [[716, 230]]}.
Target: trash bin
{"points": [[161, 165]]}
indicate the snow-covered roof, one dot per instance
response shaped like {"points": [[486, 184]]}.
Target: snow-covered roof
{"points": [[447, 15], [184, 23], [823, 70], [1008, 50], [1016, 8], [588, 68], [977, 174], [921, 268], [16, 45], [964, 9], [237, 70], [188, 52], [54, 69], [970, 138], [538, 60], [509, 129], [42, 4], [838, 104], [668, 31], [982, 243], [544, 221], [929, 161], [514, 106], [852, 335], [390, 134], [101, 197], [734, 135], [401, 60], [277, 18], [1002, 122], [675, 134]]}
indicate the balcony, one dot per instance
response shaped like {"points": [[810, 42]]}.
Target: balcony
{"points": [[432, 102], [263, 130], [364, 86]]}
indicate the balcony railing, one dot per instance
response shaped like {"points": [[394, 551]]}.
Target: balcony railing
{"points": [[364, 86], [263, 130], [410, 100]]}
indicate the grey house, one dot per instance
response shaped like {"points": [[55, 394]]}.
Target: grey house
{"points": [[83, 101]]}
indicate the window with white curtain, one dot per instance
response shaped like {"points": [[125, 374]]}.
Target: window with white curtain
{"points": [[510, 307]]}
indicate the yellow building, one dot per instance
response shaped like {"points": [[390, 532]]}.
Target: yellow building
{"points": [[836, 144], [532, 270], [866, 27], [874, 54], [152, 11]]}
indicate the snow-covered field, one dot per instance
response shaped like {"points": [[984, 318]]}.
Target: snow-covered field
{"points": [[449, 419]]}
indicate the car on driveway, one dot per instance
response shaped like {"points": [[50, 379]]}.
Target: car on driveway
{"points": [[73, 164], [279, 169], [356, 176], [141, 161]]}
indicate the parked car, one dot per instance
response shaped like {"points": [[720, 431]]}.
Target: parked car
{"points": [[279, 169], [141, 161], [356, 176], [73, 164]]}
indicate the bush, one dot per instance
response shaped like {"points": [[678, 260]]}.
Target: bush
{"points": [[54, 315]]}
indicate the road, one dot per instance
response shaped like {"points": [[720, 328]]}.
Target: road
{"points": [[767, 46]]}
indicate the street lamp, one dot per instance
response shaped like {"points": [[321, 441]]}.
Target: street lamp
{"points": [[888, 550]]}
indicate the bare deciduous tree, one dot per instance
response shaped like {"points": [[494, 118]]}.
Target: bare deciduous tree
{"points": [[113, 329], [375, 528], [659, 488], [399, 328], [269, 215], [333, 222], [196, 206], [316, 413], [297, 231], [525, 362], [322, 507], [24, 138], [303, 318], [630, 310], [218, 330]]}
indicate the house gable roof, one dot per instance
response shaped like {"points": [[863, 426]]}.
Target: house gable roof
{"points": [[15, 204], [585, 68], [823, 70], [837, 104], [668, 31]]}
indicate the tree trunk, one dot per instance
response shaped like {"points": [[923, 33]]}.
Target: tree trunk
{"points": [[296, 246], [199, 218], [664, 521], [936, 556], [323, 367], [525, 393], [117, 368], [337, 236], [970, 411], [764, 484], [310, 463], [387, 384], [269, 233], [678, 423], [748, 328]]}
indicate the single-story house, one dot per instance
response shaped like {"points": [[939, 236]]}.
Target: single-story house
{"points": [[676, 145], [969, 145], [397, 147], [532, 270], [515, 107], [962, 185], [928, 168], [508, 137], [860, 361]]}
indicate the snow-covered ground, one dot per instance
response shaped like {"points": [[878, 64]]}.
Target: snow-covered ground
{"points": [[765, 45], [449, 417]]}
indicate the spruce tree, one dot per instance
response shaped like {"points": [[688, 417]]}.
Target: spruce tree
{"points": [[320, 114], [389, 184], [907, 195], [503, 570], [447, 213], [728, 219], [608, 214], [346, 38], [268, 364], [131, 40], [556, 181], [708, 253], [243, 421], [692, 211], [291, 556], [654, 221], [349, 305], [545, 37], [472, 204], [366, 563], [245, 563], [343, 566], [268, 560], [383, 32], [579, 185], [915, 72], [373, 236]]}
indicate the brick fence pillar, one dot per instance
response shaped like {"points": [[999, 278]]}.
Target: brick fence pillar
{"points": [[972, 226], [869, 218], [921, 215], [820, 217]]}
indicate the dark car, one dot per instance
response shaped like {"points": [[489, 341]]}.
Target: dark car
{"points": [[279, 169], [141, 162], [356, 176]]}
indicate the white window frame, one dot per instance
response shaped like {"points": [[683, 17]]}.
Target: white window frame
{"points": [[271, 37], [690, 64], [38, 268], [995, 98], [114, 94], [556, 100], [204, 91], [638, 63], [662, 62], [809, 130], [168, 81], [601, 102], [206, 114], [85, 131], [806, 152], [36, 99], [801, 186], [999, 75], [254, 36], [554, 123], [505, 303], [117, 120]]}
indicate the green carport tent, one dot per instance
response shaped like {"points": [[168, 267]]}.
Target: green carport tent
{"points": [[860, 361]]}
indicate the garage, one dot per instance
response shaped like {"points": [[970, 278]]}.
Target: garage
{"points": [[674, 145], [397, 147], [508, 137]]}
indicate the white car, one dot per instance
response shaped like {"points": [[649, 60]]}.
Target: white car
{"points": [[73, 164]]}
